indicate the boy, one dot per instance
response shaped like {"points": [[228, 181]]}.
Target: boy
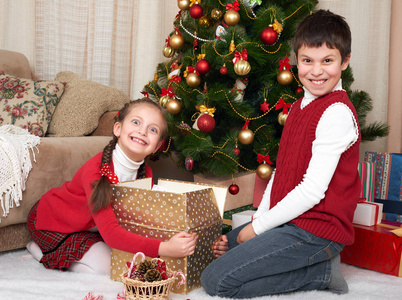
{"points": [[305, 217]]}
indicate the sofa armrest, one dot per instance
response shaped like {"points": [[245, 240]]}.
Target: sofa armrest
{"points": [[57, 160], [105, 125]]}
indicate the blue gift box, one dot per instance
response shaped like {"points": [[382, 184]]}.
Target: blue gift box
{"points": [[388, 179]]}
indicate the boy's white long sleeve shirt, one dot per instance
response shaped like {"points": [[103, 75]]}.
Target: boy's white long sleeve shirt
{"points": [[336, 131]]}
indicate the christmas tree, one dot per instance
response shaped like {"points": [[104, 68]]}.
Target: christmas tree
{"points": [[228, 84]]}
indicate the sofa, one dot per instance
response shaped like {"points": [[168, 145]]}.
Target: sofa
{"points": [[76, 125]]}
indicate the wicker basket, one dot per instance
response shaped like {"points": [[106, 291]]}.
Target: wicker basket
{"points": [[140, 290]]}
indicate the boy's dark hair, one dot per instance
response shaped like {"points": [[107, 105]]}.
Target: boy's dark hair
{"points": [[102, 191], [324, 27]]}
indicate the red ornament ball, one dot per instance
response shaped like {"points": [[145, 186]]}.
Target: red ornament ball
{"points": [[203, 66], [233, 189], [268, 36], [206, 123], [189, 163], [223, 70], [236, 151], [299, 90], [196, 11]]}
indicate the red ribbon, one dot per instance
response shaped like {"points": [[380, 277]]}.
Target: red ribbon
{"points": [[178, 15], [192, 70], [177, 30], [246, 124], [167, 42], [235, 6], [145, 94], [105, 171], [261, 158], [284, 105], [168, 92], [238, 55], [176, 79], [284, 64]]}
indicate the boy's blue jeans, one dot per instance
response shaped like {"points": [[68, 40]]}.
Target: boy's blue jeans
{"points": [[284, 259]]}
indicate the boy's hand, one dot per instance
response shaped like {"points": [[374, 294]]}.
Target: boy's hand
{"points": [[220, 246], [181, 244], [246, 234]]}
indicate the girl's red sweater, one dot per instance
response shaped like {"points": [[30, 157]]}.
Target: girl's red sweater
{"points": [[66, 209]]}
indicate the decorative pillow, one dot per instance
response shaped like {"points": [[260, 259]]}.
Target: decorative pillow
{"points": [[28, 104], [82, 104]]}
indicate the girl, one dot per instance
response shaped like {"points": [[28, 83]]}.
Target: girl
{"points": [[73, 226]]}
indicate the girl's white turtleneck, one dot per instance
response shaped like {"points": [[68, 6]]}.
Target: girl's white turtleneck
{"points": [[124, 168]]}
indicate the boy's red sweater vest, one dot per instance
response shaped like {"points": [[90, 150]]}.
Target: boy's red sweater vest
{"points": [[332, 217]]}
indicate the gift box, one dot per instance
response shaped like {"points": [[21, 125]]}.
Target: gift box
{"points": [[259, 189], [367, 180], [377, 248], [241, 218], [388, 182], [245, 182], [368, 213], [173, 207]]}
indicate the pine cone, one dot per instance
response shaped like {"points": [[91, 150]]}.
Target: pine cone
{"points": [[137, 276], [144, 266], [153, 275]]}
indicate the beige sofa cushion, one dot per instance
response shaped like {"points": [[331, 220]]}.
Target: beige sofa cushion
{"points": [[82, 104]]}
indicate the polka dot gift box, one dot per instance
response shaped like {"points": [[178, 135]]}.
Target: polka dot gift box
{"points": [[170, 207]]}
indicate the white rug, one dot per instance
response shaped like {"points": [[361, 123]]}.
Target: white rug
{"points": [[22, 277]]}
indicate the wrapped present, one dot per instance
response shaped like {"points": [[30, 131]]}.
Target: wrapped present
{"points": [[241, 218], [388, 174], [368, 213], [388, 182], [259, 189], [245, 182], [377, 248], [191, 207], [367, 179]]}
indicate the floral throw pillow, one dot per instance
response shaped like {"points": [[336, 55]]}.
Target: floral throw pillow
{"points": [[28, 104]]}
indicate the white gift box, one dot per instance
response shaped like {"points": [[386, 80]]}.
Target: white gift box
{"points": [[366, 212], [241, 218]]}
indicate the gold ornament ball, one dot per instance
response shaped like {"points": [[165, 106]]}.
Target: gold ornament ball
{"points": [[284, 77], [176, 41], [282, 118], [205, 21], [193, 80], [163, 101], [173, 106], [264, 171], [216, 14], [167, 51], [242, 67], [246, 136], [232, 17], [183, 4]]}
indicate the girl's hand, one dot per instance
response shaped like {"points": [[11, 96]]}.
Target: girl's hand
{"points": [[179, 245], [220, 246], [246, 234]]}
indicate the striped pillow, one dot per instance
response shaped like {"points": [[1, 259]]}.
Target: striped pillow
{"points": [[367, 177]]}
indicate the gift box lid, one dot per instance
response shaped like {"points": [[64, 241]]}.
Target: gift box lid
{"points": [[179, 187]]}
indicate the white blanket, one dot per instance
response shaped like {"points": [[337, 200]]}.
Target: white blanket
{"points": [[15, 164]]}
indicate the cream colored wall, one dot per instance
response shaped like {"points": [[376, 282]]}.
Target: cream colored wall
{"points": [[369, 22], [394, 142]]}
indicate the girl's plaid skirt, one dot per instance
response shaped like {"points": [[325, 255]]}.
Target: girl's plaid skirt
{"points": [[60, 250]]}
